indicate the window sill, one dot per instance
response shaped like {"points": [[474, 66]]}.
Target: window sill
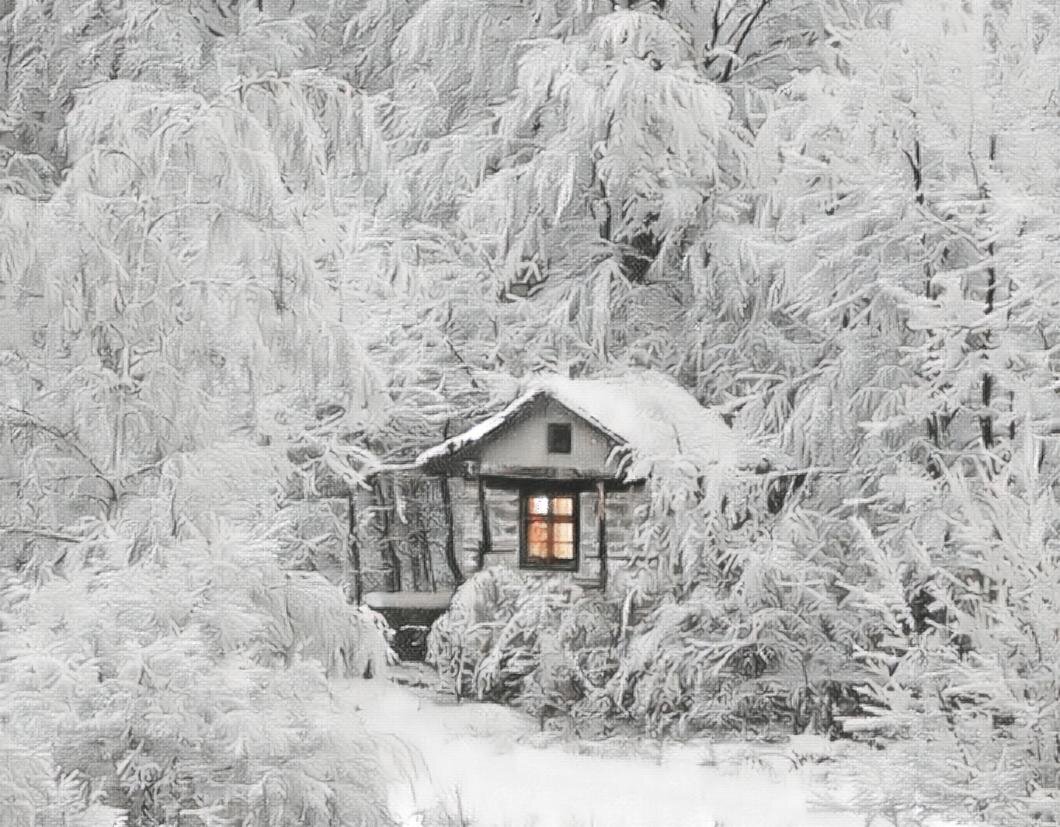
{"points": [[565, 567]]}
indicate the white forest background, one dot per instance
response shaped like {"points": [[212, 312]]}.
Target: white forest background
{"points": [[835, 221]]}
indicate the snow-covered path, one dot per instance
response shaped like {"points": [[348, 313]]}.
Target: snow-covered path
{"points": [[489, 764]]}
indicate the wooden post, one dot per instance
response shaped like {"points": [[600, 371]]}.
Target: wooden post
{"points": [[601, 532], [353, 549], [450, 539], [485, 545]]}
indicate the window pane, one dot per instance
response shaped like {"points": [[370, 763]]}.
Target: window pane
{"points": [[537, 539], [559, 438], [549, 529], [539, 505], [563, 506], [537, 531], [537, 551]]}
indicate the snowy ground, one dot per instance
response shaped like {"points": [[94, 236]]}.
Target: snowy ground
{"points": [[490, 765]]}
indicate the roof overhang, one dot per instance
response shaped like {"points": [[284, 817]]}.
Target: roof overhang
{"points": [[447, 456]]}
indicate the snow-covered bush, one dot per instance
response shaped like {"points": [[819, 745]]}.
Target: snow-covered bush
{"points": [[977, 682], [188, 676], [163, 674], [539, 642], [461, 638], [740, 604], [733, 621]]}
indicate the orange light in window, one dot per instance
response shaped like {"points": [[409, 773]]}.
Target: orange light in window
{"points": [[563, 551], [537, 539], [539, 505], [563, 506], [550, 531]]}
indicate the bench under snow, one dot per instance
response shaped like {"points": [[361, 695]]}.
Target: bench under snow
{"points": [[410, 614], [865, 724], [425, 601]]}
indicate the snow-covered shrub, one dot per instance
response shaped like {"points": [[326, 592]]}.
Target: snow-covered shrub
{"points": [[34, 791], [168, 663], [733, 621], [742, 625], [971, 698], [188, 676], [670, 678], [461, 638], [539, 642]]}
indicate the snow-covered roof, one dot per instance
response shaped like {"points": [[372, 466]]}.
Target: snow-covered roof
{"points": [[646, 411]]}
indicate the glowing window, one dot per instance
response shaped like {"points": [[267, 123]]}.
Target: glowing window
{"points": [[550, 537]]}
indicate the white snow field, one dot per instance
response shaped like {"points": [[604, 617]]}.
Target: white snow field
{"points": [[489, 766]]}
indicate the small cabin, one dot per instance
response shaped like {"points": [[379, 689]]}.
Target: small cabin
{"points": [[554, 484], [546, 484]]}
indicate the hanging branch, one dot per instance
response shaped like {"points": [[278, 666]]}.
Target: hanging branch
{"points": [[67, 439], [43, 533], [747, 22]]}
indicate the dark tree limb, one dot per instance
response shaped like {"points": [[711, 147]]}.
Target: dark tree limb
{"points": [[485, 545], [450, 539], [353, 549], [744, 27], [390, 554], [68, 440], [43, 533]]}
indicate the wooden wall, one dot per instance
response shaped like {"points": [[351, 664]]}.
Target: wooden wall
{"points": [[524, 444], [502, 505], [502, 510]]}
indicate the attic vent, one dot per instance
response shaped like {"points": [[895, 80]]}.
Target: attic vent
{"points": [[558, 438]]}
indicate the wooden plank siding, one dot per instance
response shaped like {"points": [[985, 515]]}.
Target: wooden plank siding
{"points": [[502, 499], [623, 506], [589, 564], [503, 512], [468, 522]]}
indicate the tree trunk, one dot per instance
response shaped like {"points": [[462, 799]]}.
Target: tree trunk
{"points": [[411, 549], [485, 545], [403, 529], [934, 423], [423, 536], [986, 419], [450, 539], [353, 550], [389, 550]]}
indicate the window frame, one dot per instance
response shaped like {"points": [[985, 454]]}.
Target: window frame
{"points": [[556, 427], [551, 491]]}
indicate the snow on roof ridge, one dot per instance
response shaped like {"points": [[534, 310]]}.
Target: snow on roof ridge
{"points": [[478, 431], [647, 410]]}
